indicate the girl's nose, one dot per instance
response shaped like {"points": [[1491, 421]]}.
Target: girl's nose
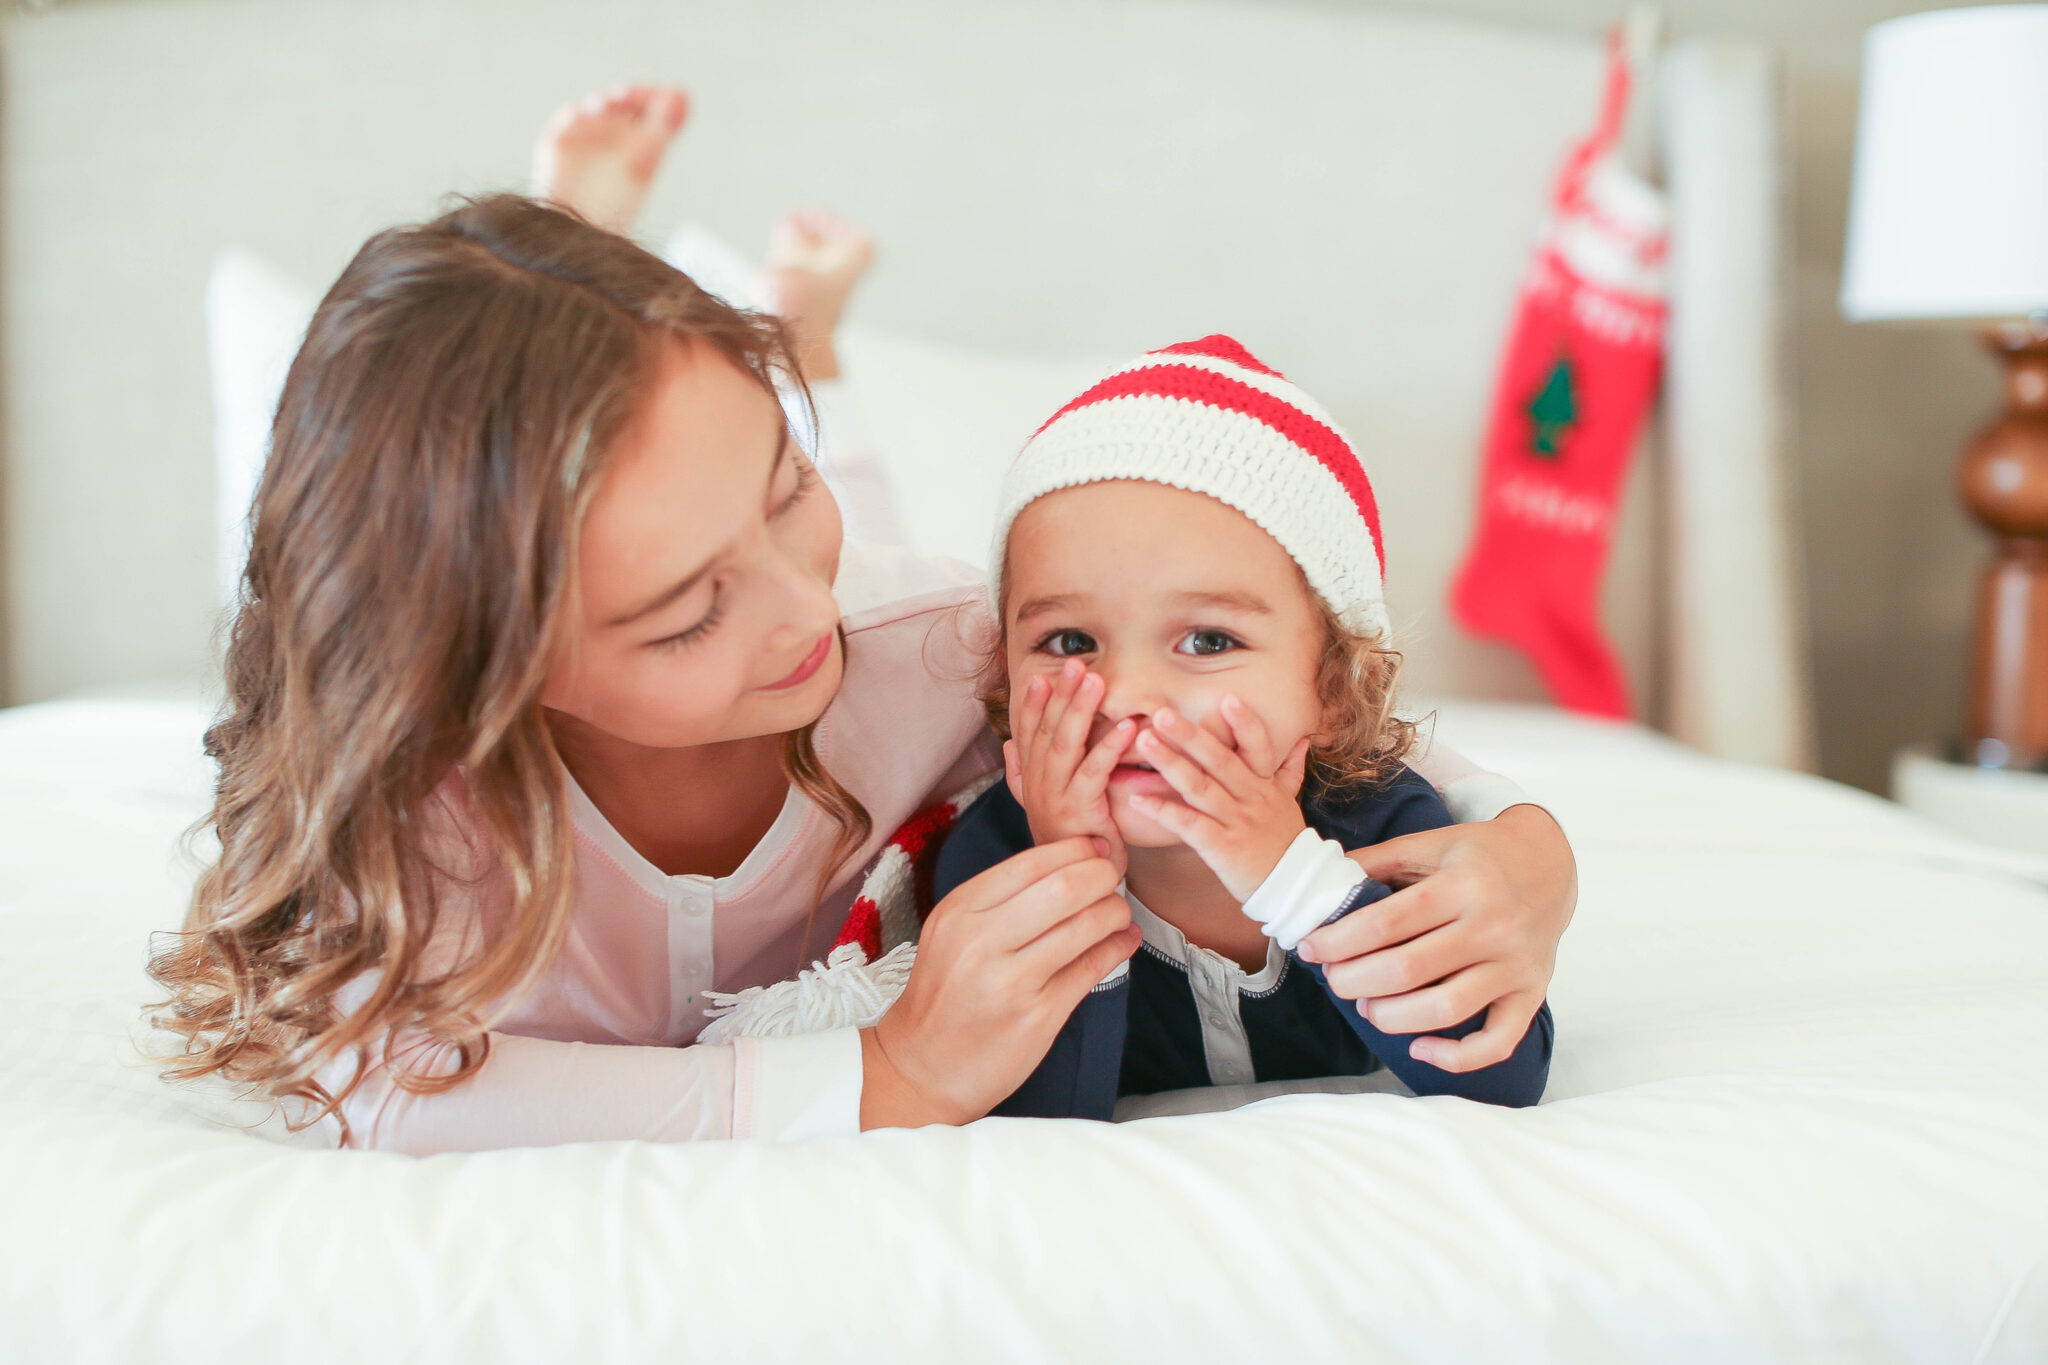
{"points": [[806, 607]]}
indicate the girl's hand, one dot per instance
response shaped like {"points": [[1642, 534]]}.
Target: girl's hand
{"points": [[1000, 965], [1061, 783], [1473, 926], [1238, 807]]}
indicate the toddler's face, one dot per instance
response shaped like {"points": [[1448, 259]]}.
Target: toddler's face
{"points": [[1176, 600]]}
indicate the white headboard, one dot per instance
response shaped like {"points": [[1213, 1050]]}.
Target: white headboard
{"points": [[1354, 195]]}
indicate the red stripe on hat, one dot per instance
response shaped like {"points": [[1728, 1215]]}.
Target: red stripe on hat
{"points": [[1194, 385], [1221, 347]]}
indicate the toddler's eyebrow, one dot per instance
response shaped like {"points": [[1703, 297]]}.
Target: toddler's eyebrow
{"points": [[1039, 606], [1238, 601]]}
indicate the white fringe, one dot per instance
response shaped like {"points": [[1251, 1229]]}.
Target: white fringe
{"points": [[843, 991]]}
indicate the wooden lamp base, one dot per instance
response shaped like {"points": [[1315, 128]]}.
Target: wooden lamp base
{"points": [[2004, 480]]}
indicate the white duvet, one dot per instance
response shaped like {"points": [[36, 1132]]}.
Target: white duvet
{"points": [[1799, 1112]]}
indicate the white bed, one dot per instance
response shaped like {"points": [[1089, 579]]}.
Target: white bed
{"points": [[1799, 1108], [1799, 1112]]}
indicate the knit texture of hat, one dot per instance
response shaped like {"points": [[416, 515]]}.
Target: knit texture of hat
{"points": [[1209, 417]]}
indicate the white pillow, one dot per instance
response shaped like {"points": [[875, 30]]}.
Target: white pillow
{"points": [[943, 421], [255, 318]]}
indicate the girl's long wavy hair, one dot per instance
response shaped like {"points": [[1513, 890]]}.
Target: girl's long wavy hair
{"points": [[412, 545]]}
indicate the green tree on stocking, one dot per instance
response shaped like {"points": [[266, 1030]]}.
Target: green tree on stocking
{"points": [[1553, 411]]}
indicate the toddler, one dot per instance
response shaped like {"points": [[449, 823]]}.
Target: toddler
{"points": [[1195, 664]]}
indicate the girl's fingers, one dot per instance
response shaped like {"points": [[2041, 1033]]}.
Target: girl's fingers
{"points": [[1248, 733], [1102, 759], [1041, 959], [999, 886], [1051, 899], [1208, 752], [1195, 786], [1403, 967], [1445, 1005], [1507, 1021], [1372, 929], [1071, 983]]}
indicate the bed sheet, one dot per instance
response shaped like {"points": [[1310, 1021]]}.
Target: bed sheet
{"points": [[1799, 1111]]}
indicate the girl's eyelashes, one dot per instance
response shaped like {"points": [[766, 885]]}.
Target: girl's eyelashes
{"points": [[806, 479], [1204, 641], [1065, 643], [683, 639]]}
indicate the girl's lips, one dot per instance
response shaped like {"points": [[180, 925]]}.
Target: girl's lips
{"points": [[813, 661]]}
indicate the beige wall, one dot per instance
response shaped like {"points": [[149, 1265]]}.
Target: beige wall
{"points": [[1890, 557]]}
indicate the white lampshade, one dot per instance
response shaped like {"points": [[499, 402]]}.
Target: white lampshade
{"points": [[1948, 215]]}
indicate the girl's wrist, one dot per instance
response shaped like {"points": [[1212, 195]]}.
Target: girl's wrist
{"points": [[888, 1097]]}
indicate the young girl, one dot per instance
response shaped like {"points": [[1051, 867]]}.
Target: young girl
{"points": [[1196, 664], [555, 701]]}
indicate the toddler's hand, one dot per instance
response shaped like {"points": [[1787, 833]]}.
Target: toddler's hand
{"points": [[1063, 784], [1238, 807]]}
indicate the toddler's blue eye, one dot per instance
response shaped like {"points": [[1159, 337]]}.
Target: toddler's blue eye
{"points": [[1201, 642], [1064, 643]]}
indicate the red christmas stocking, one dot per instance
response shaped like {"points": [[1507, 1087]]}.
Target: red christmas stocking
{"points": [[1580, 372]]}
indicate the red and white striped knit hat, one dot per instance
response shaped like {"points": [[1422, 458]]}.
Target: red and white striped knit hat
{"points": [[1210, 417]]}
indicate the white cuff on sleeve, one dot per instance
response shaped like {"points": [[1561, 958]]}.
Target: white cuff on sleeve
{"points": [[800, 1087], [1304, 888]]}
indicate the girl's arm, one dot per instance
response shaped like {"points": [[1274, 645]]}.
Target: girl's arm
{"points": [[536, 1092], [1473, 925]]}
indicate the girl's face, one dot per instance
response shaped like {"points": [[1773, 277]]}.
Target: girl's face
{"points": [[704, 608], [1176, 600]]}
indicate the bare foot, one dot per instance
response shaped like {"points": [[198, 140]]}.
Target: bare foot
{"points": [[814, 261], [598, 155]]}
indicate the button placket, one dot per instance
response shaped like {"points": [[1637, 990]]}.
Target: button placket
{"points": [[689, 943]]}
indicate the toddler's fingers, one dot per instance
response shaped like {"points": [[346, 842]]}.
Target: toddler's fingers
{"points": [[1294, 768], [1013, 775], [1183, 822], [1102, 759], [1205, 750], [1027, 716], [1248, 732], [1070, 740], [1057, 700], [1195, 786], [1507, 1022]]}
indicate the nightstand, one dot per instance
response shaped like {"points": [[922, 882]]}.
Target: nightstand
{"points": [[1991, 805]]}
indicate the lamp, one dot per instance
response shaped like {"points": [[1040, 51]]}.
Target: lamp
{"points": [[1948, 220]]}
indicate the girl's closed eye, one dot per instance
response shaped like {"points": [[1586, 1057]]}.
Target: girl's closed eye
{"points": [[806, 480], [683, 639], [1205, 641], [1065, 643]]}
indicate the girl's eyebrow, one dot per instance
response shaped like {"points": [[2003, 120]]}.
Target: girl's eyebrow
{"points": [[689, 581]]}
